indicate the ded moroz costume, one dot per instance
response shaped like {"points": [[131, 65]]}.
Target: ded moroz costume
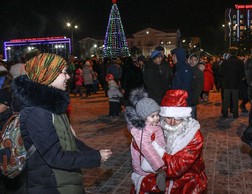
{"points": [[184, 144]]}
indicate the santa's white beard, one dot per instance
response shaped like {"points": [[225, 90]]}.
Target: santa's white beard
{"points": [[175, 134], [171, 128]]}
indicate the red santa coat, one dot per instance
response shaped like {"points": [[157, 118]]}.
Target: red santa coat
{"points": [[185, 165]]}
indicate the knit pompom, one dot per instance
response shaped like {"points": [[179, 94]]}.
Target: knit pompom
{"points": [[137, 95]]}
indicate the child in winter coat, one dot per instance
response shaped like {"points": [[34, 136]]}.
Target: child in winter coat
{"points": [[143, 123], [78, 83], [114, 96]]}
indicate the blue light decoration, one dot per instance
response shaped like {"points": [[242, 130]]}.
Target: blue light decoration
{"points": [[59, 45], [115, 43]]}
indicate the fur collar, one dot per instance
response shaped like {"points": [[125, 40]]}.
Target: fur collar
{"points": [[133, 119], [32, 94]]}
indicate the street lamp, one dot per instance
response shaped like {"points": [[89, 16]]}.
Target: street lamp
{"points": [[69, 25]]}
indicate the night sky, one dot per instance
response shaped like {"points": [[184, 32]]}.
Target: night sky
{"points": [[40, 18]]}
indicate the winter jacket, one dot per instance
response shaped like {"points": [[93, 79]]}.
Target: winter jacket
{"points": [[166, 74], [78, 77], [146, 159], [248, 72], [115, 70], [153, 81], [187, 174], [184, 74], [55, 167], [87, 74], [132, 77], [231, 73], [208, 78], [184, 160], [114, 93], [147, 149], [197, 84]]}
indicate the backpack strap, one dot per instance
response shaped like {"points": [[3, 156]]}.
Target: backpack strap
{"points": [[14, 114]]}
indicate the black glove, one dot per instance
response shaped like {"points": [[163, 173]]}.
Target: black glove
{"points": [[161, 180]]}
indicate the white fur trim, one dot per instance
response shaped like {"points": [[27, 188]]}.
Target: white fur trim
{"points": [[170, 187], [137, 180], [175, 111], [158, 148], [146, 167]]}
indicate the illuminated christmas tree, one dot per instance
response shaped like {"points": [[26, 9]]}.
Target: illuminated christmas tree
{"points": [[115, 44]]}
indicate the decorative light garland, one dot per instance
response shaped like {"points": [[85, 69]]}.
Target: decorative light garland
{"points": [[115, 43]]}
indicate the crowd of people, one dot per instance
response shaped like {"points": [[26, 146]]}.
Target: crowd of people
{"points": [[158, 95]]}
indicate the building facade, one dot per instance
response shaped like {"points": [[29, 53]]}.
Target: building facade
{"points": [[18, 48], [144, 41], [238, 27], [150, 38]]}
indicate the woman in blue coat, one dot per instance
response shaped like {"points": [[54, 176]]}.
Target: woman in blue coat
{"points": [[55, 166]]}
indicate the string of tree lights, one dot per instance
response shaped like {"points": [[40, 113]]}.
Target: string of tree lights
{"points": [[115, 43]]}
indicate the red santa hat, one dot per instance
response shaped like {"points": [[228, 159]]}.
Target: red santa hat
{"points": [[174, 104]]}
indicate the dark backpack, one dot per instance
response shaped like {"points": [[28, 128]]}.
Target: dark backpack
{"points": [[11, 139]]}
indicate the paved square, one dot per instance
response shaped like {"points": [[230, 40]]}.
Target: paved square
{"points": [[228, 164]]}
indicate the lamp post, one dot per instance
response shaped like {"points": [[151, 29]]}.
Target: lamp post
{"points": [[69, 25]]}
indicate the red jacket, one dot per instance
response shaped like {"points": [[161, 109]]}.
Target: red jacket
{"points": [[186, 168], [208, 78], [78, 78]]}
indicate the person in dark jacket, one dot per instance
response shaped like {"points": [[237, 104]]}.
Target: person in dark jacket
{"points": [[55, 166], [243, 94], [116, 70], [166, 70], [132, 77], [197, 83], [184, 75], [231, 73], [141, 60], [152, 77], [248, 75], [247, 135]]}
